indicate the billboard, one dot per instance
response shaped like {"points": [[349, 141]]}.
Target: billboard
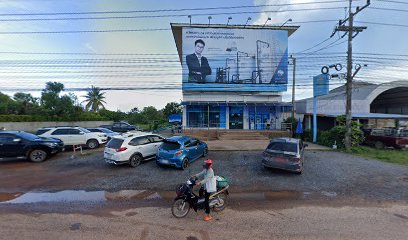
{"points": [[234, 59]]}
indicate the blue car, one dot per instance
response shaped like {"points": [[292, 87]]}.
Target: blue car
{"points": [[180, 151]]}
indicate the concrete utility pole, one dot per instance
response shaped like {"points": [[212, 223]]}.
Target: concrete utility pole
{"points": [[293, 93], [349, 84]]}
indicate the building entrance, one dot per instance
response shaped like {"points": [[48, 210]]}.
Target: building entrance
{"points": [[236, 118]]}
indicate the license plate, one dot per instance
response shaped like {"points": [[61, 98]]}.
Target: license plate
{"points": [[280, 159], [165, 161], [107, 155]]}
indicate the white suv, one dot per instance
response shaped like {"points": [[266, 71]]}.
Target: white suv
{"points": [[132, 148], [74, 136]]}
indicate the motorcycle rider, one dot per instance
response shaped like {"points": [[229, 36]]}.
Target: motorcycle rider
{"points": [[208, 185]]}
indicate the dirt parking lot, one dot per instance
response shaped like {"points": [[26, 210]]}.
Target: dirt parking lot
{"points": [[331, 174]]}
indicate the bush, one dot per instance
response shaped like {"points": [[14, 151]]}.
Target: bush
{"points": [[85, 116]]}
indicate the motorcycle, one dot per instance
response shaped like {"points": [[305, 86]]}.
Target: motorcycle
{"points": [[187, 199]]}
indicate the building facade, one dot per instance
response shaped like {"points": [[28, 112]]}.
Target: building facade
{"points": [[245, 74]]}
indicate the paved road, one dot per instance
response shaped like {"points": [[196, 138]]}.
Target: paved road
{"points": [[327, 173], [157, 223]]}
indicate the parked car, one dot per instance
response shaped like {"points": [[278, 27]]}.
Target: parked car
{"points": [[132, 148], [387, 137], [74, 136], [285, 153], [23, 145], [120, 127], [180, 151], [109, 133]]}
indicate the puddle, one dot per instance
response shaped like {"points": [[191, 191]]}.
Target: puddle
{"points": [[123, 195]]}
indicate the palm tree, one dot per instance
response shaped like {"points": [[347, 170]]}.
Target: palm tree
{"points": [[95, 99]]}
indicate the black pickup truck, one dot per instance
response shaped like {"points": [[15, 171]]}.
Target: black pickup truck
{"points": [[120, 127]]}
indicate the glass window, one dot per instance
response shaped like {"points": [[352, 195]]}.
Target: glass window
{"points": [[115, 143], [63, 131], [41, 131], [73, 131], [84, 130], [105, 130], [94, 130], [283, 147], [6, 138], [27, 136], [139, 141], [170, 146], [155, 138], [197, 116]]}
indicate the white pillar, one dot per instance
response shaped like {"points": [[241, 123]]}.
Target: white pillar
{"points": [[246, 117], [227, 113], [184, 116]]}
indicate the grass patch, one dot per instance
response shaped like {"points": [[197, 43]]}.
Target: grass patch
{"points": [[385, 155]]}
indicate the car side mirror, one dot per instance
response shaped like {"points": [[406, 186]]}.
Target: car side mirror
{"points": [[17, 140], [81, 133]]}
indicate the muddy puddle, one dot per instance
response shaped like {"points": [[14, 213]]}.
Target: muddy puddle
{"points": [[142, 195]]}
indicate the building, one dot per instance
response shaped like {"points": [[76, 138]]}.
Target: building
{"points": [[374, 105], [239, 79]]}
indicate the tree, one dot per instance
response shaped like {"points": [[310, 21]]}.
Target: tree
{"points": [[172, 108], [27, 104], [95, 99], [56, 105], [7, 105]]}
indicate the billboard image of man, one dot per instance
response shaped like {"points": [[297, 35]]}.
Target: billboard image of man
{"points": [[198, 67]]}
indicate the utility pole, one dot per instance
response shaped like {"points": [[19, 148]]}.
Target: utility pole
{"points": [[352, 32], [293, 93]]}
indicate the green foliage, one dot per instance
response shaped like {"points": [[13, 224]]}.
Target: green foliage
{"points": [[172, 108], [385, 155], [336, 135], [95, 99]]}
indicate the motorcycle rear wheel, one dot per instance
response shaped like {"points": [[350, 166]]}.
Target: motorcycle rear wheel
{"points": [[180, 208], [223, 202]]}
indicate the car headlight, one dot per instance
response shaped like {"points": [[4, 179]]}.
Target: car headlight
{"points": [[51, 144], [102, 135]]}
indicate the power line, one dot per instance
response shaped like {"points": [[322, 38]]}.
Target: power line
{"points": [[168, 10]]}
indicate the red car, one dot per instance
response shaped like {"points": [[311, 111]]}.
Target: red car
{"points": [[380, 138]]}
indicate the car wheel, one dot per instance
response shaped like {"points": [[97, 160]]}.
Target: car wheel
{"points": [[92, 144], [185, 164], [38, 155], [205, 152], [135, 160], [379, 145]]}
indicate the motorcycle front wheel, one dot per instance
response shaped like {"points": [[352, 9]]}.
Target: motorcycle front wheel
{"points": [[180, 208], [222, 202]]}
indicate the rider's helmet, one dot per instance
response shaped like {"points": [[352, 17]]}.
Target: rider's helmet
{"points": [[208, 163]]}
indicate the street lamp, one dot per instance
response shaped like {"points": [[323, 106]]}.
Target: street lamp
{"points": [[289, 20], [249, 19], [229, 19], [266, 21]]}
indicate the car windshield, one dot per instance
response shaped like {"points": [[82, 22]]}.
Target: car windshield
{"points": [[170, 146], [84, 130], [105, 130], [115, 143], [41, 131], [28, 136], [283, 147]]}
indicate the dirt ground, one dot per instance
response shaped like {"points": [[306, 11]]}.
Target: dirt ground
{"points": [[339, 196]]}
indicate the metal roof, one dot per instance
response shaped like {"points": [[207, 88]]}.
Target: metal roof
{"points": [[223, 103], [367, 115]]}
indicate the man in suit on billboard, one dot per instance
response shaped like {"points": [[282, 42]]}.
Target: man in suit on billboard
{"points": [[198, 67]]}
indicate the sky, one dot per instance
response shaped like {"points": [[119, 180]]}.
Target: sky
{"points": [[122, 59]]}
